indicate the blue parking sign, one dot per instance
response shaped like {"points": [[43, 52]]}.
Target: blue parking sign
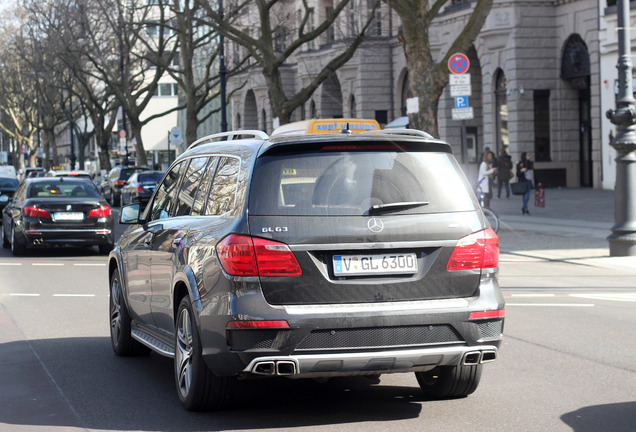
{"points": [[461, 101]]}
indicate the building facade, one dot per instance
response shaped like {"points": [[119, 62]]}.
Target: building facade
{"points": [[535, 78]]}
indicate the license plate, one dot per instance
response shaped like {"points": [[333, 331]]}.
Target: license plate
{"points": [[68, 216], [385, 264]]}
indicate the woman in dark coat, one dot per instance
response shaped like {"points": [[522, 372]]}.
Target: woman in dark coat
{"points": [[525, 172]]}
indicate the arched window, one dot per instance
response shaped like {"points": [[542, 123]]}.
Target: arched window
{"points": [[501, 112]]}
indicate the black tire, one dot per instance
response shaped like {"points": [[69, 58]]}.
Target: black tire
{"points": [[447, 382], [17, 247], [5, 240], [197, 387], [120, 337]]}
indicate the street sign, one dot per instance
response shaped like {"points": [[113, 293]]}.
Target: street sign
{"points": [[176, 137], [463, 79], [462, 113], [458, 63], [460, 90], [122, 133], [461, 102]]}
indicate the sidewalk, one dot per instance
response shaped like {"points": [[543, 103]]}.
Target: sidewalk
{"points": [[573, 226]]}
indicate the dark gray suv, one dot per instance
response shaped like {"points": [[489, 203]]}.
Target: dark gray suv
{"points": [[309, 256]]}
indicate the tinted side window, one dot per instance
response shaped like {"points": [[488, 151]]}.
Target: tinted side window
{"points": [[223, 192], [204, 188], [189, 186], [166, 194]]}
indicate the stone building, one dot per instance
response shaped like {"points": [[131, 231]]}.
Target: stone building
{"points": [[534, 74]]}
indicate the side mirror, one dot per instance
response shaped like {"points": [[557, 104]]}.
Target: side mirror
{"points": [[130, 214]]}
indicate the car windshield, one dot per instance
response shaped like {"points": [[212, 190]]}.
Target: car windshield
{"points": [[6, 182], [63, 189], [154, 177], [358, 183]]}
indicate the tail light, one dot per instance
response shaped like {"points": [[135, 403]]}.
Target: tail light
{"points": [[119, 182], [257, 324], [475, 251], [252, 256], [101, 211], [32, 211], [140, 189]]}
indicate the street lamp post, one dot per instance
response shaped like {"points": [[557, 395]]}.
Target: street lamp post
{"points": [[622, 241], [222, 74]]}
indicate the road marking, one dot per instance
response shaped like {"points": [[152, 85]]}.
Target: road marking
{"points": [[532, 295], [73, 295], [552, 304], [10, 264], [625, 297], [23, 295], [48, 264], [90, 264]]}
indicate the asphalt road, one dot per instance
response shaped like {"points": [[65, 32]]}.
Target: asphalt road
{"points": [[568, 361]]}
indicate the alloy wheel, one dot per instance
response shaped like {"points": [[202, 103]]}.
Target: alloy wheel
{"points": [[184, 352], [115, 311]]}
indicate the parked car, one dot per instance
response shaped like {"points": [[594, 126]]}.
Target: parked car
{"points": [[8, 185], [117, 177], [310, 256], [55, 211], [139, 187]]}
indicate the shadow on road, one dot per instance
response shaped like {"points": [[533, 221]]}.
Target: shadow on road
{"points": [[90, 387], [617, 417]]}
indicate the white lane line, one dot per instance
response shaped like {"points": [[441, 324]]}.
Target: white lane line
{"points": [[73, 295], [552, 304], [532, 295], [23, 295], [90, 264], [48, 264], [10, 264], [625, 297]]}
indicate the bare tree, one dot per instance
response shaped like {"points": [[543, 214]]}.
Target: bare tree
{"points": [[195, 66], [271, 44], [427, 78]]}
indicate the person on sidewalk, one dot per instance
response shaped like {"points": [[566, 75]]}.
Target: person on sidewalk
{"points": [[525, 172], [504, 172], [484, 178]]}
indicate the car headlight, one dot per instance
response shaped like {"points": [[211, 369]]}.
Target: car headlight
{"points": [[4, 198]]}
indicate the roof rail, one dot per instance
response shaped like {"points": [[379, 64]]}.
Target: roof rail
{"points": [[409, 132], [230, 135]]}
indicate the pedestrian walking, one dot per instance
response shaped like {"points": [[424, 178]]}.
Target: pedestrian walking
{"points": [[504, 172], [484, 178], [525, 172]]}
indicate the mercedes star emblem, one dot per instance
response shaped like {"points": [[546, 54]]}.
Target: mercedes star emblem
{"points": [[375, 225]]}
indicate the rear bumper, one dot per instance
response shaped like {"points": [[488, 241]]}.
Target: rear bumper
{"points": [[74, 237], [347, 364]]}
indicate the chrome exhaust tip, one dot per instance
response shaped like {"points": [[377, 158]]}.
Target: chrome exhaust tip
{"points": [[265, 368], [472, 358], [488, 356], [285, 368]]}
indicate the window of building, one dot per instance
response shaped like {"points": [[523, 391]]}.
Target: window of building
{"points": [[166, 89], [331, 34], [541, 125], [501, 100], [375, 28]]}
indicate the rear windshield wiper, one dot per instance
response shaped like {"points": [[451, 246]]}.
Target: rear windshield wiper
{"points": [[397, 206]]}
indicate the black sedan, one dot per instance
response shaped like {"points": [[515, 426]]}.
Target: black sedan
{"points": [[55, 211], [139, 187], [8, 185]]}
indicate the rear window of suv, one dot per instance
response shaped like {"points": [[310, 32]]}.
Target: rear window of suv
{"points": [[351, 183]]}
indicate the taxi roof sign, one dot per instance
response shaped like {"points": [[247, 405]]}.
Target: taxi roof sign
{"points": [[320, 126]]}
